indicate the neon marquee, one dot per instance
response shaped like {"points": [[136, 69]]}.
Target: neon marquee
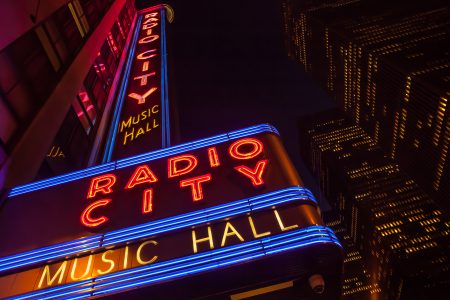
{"points": [[233, 195]]}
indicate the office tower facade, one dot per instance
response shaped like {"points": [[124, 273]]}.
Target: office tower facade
{"points": [[387, 65], [357, 283], [396, 225]]}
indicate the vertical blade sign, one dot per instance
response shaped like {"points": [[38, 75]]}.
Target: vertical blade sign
{"points": [[143, 123]]}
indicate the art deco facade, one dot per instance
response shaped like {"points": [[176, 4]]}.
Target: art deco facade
{"points": [[402, 234], [387, 64]]}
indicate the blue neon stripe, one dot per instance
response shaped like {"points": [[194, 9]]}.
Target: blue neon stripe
{"points": [[167, 152], [165, 79], [180, 260], [163, 223], [251, 130], [61, 179], [43, 292], [164, 107], [193, 264], [82, 243], [57, 250], [215, 213], [120, 99], [174, 267], [48, 256], [220, 256], [163, 103]]}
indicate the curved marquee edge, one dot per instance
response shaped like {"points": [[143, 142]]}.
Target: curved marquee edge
{"points": [[190, 265], [141, 158], [296, 194]]}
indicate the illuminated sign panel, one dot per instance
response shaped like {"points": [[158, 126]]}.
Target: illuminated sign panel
{"points": [[141, 119], [233, 196], [145, 190], [193, 245]]}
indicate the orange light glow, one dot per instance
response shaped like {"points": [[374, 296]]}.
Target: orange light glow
{"points": [[147, 203], [213, 157], [86, 218], [146, 54], [101, 184], [148, 39], [144, 77], [254, 175], [195, 184], [174, 171], [142, 98], [237, 154], [145, 66], [150, 25], [142, 174], [151, 20], [150, 15]]}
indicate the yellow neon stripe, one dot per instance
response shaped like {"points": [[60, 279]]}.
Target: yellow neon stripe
{"points": [[263, 290]]}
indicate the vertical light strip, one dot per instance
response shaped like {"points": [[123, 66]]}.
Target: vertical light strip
{"points": [[395, 135], [442, 156], [166, 83], [118, 109], [163, 86], [77, 21], [440, 113]]}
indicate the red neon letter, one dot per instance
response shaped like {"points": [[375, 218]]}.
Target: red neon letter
{"points": [[151, 25], [151, 15], [172, 165], [254, 175], [86, 218], [146, 55], [142, 174], [213, 157], [101, 184], [148, 39], [256, 144], [196, 187], [147, 203]]}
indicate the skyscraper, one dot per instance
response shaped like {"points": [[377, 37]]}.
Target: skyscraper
{"points": [[387, 64], [357, 282], [402, 234]]}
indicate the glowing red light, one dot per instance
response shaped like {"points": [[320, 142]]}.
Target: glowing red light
{"points": [[195, 184], [147, 204], [142, 174], [101, 184], [213, 157], [88, 220], [236, 152], [173, 162], [255, 175]]}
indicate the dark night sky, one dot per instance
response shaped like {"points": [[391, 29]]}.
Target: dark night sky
{"points": [[230, 70]]}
